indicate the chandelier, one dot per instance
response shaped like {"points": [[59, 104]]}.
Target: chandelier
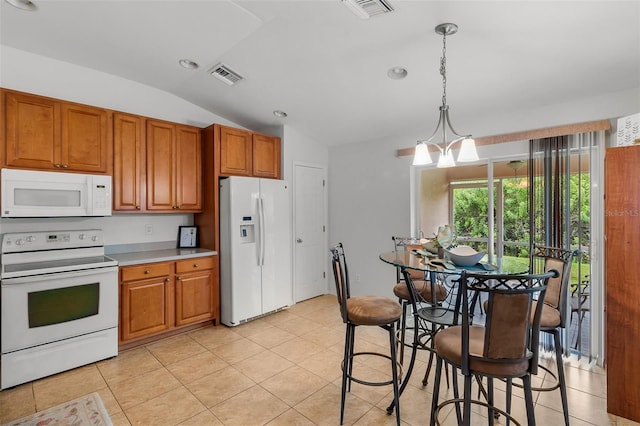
{"points": [[444, 130]]}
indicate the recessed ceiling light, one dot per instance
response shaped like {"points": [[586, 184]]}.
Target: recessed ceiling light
{"points": [[22, 4], [187, 63], [397, 73], [279, 114]]}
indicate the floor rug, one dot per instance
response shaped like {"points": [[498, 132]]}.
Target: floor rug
{"points": [[86, 410]]}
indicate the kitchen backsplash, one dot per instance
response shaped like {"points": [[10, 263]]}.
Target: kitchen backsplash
{"points": [[118, 229]]}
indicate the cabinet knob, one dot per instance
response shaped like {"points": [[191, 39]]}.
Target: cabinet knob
{"points": [[64, 166], [195, 265], [137, 207], [166, 280], [179, 278], [57, 166], [147, 271]]}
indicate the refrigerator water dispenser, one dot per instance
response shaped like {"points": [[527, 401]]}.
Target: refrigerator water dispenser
{"points": [[247, 234]]}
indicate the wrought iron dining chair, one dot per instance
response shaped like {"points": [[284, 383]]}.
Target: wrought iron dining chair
{"points": [[423, 289], [357, 311], [506, 347], [555, 310], [579, 303]]}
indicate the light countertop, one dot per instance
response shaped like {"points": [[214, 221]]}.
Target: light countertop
{"points": [[135, 255]]}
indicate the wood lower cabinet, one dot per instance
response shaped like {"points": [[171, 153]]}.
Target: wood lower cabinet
{"points": [[243, 153], [146, 300], [196, 296], [158, 298], [622, 286], [50, 134]]}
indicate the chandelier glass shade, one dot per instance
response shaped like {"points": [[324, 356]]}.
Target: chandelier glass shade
{"points": [[444, 136]]}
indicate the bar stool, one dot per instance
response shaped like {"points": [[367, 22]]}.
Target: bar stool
{"points": [[505, 348], [378, 311]]}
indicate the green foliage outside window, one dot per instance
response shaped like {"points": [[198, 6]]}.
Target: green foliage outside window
{"points": [[471, 208]]}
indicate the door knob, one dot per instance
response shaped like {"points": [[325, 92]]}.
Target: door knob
{"points": [[298, 240]]}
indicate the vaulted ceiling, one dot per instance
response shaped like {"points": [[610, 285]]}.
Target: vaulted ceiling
{"points": [[327, 68]]}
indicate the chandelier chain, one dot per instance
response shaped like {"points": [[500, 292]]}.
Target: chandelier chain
{"points": [[443, 69]]}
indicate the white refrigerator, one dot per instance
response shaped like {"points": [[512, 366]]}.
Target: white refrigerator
{"points": [[255, 248]]}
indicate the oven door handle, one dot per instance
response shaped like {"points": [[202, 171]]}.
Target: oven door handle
{"points": [[57, 275]]}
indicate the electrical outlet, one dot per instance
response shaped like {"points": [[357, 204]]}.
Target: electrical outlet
{"points": [[148, 229]]}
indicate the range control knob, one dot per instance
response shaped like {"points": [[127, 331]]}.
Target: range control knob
{"points": [[82, 236], [19, 242], [95, 238], [30, 238]]}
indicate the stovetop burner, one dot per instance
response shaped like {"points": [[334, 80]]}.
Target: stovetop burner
{"points": [[35, 253]]}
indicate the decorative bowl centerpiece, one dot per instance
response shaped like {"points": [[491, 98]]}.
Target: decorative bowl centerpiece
{"points": [[464, 255]]}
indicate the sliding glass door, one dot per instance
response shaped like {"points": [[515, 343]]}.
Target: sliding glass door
{"points": [[497, 222]]}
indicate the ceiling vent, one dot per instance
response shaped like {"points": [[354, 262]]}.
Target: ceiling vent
{"points": [[225, 74], [365, 9]]}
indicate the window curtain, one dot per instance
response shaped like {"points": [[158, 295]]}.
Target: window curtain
{"points": [[560, 212]]}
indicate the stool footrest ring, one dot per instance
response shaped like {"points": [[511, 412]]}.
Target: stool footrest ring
{"points": [[473, 401], [382, 383], [552, 387]]}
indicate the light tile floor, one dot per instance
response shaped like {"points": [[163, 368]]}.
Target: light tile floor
{"points": [[283, 369]]}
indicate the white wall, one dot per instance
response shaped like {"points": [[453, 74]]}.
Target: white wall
{"points": [[301, 148], [27, 72], [369, 187]]}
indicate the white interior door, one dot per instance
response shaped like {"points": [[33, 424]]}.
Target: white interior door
{"points": [[309, 232]]}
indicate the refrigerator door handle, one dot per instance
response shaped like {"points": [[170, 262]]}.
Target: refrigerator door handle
{"points": [[262, 230]]}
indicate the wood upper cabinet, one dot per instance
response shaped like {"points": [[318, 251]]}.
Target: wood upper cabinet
{"points": [[188, 168], [266, 156], [86, 139], [49, 134], [174, 167], [243, 153], [128, 161], [235, 152]]}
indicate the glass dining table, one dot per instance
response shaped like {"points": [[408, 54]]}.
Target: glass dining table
{"points": [[431, 311]]}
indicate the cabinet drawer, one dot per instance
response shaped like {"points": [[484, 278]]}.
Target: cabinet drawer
{"points": [[145, 271], [194, 264]]}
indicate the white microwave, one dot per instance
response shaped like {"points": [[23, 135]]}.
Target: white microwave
{"points": [[32, 193]]}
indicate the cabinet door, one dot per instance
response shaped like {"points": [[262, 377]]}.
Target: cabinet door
{"points": [[188, 169], [128, 154], [32, 129], [146, 307], [160, 166], [235, 152], [622, 245], [85, 143], [266, 156], [194, 297]]}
